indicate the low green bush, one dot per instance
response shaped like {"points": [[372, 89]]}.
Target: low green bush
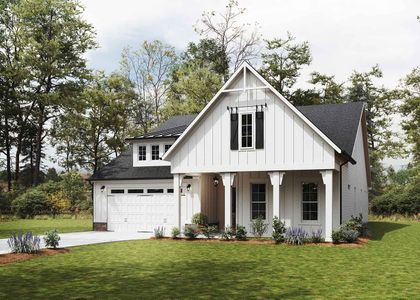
{"points": [[209, 231], [52, 239], [349, 235], [258, 227], [241, 233], [336, 236], [354, 223], [175, 232], [199, 219], [228, 233], [279, 230], [33, 202], [191, 232]]}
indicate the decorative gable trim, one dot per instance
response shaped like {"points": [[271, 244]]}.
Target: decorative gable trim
{"points": [[245, 66]]}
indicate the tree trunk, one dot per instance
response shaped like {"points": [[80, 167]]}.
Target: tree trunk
{"points": [[17, 156], [38, 146]]}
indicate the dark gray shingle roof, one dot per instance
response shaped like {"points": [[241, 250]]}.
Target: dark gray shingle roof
{"points": [[173, 127], [339, 122], [122, 168]]}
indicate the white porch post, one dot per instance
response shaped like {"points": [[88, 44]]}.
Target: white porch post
{"points": [[327, 177], [228, 179], [177, 195], [276, 179]]}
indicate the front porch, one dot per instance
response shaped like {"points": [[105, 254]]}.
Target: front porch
{"points": [[307, 199]]}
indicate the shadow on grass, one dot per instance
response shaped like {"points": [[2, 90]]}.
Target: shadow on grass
{"points": [[195, 279], [379, 228]]}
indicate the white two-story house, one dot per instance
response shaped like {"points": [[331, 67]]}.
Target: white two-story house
{"points": [[249, 153]]}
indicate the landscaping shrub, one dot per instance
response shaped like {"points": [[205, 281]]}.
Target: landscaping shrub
{"points": [[316, 237], [241, 233], [191, 232], [258, 227], [295, 236], [52, 239], [31, 203], [175, 232], [199, 219], [159, 232], [24, 243], [209, 231], [228, 233], [336, 236], [279, 229], [349, 235], [354, 223]]}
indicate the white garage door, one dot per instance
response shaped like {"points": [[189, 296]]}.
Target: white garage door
{"points": [[140, 212]]}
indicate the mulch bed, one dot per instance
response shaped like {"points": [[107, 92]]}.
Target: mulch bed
{"points": [[10, 258], [359, 243]]}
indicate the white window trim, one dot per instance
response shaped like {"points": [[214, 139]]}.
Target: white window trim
{"points": [[266, 201], [240, 131], [145, 152], [151, 152], [311, 222]]}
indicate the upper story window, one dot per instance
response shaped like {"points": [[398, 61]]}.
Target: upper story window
{"points": [[247, 131], [309, 202], [142, 152], [167, 147], [155, 152]]}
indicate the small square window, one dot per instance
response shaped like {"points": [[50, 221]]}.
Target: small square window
{"points": [[155, 152], [170, 191], [135, 191], [155, 191], [142, 152], [117, 191]]}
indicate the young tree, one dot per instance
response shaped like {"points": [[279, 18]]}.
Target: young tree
{"points": [[56, 38], [197, 78], [410, 110], [282, 63], [89, 137], [238, 40], [149, 68]]}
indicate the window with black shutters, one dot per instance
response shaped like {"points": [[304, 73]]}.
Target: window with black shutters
{"points": [[309, 202], [142, 152], [155, 152], [258, 201], [247, 131]]}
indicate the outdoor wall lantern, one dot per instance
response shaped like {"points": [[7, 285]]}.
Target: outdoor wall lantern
{"points": [[102, 188], [188, 187], [215, 181]]}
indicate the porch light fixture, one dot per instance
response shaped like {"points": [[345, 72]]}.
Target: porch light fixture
{"points": [[215, 181], [188, 187]]}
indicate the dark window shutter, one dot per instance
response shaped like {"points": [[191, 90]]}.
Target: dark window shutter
{"points": [[234, 131], [259, 130]]}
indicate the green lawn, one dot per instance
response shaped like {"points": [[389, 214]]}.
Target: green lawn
{"points": [[40, 226], [387, 267]]}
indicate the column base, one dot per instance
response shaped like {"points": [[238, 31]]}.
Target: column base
{"points": [[100, 226]]}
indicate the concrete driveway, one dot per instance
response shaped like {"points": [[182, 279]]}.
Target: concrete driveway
{"points": [[87, 238]]}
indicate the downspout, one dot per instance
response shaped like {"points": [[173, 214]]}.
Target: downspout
{"points": [[353, 162]]}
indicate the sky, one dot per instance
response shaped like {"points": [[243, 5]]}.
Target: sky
{"points": [[343, 35]]}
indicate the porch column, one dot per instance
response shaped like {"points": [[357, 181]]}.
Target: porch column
{"points": [[276, 179], [228, 179], [327, 178], [177, 195]]}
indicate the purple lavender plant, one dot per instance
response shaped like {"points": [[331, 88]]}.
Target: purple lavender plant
{"points": [[295, 236], [24, 243]]}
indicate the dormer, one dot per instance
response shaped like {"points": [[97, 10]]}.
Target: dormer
{"points": [[149, 148]]}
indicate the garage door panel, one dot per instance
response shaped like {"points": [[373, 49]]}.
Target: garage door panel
{"points": [[132, 213]]}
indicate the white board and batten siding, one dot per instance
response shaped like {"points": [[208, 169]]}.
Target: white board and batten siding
{"points": [[355, 188], [289, 142]]}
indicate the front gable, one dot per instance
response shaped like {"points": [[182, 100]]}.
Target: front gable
{"points": [[289, 142]]}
